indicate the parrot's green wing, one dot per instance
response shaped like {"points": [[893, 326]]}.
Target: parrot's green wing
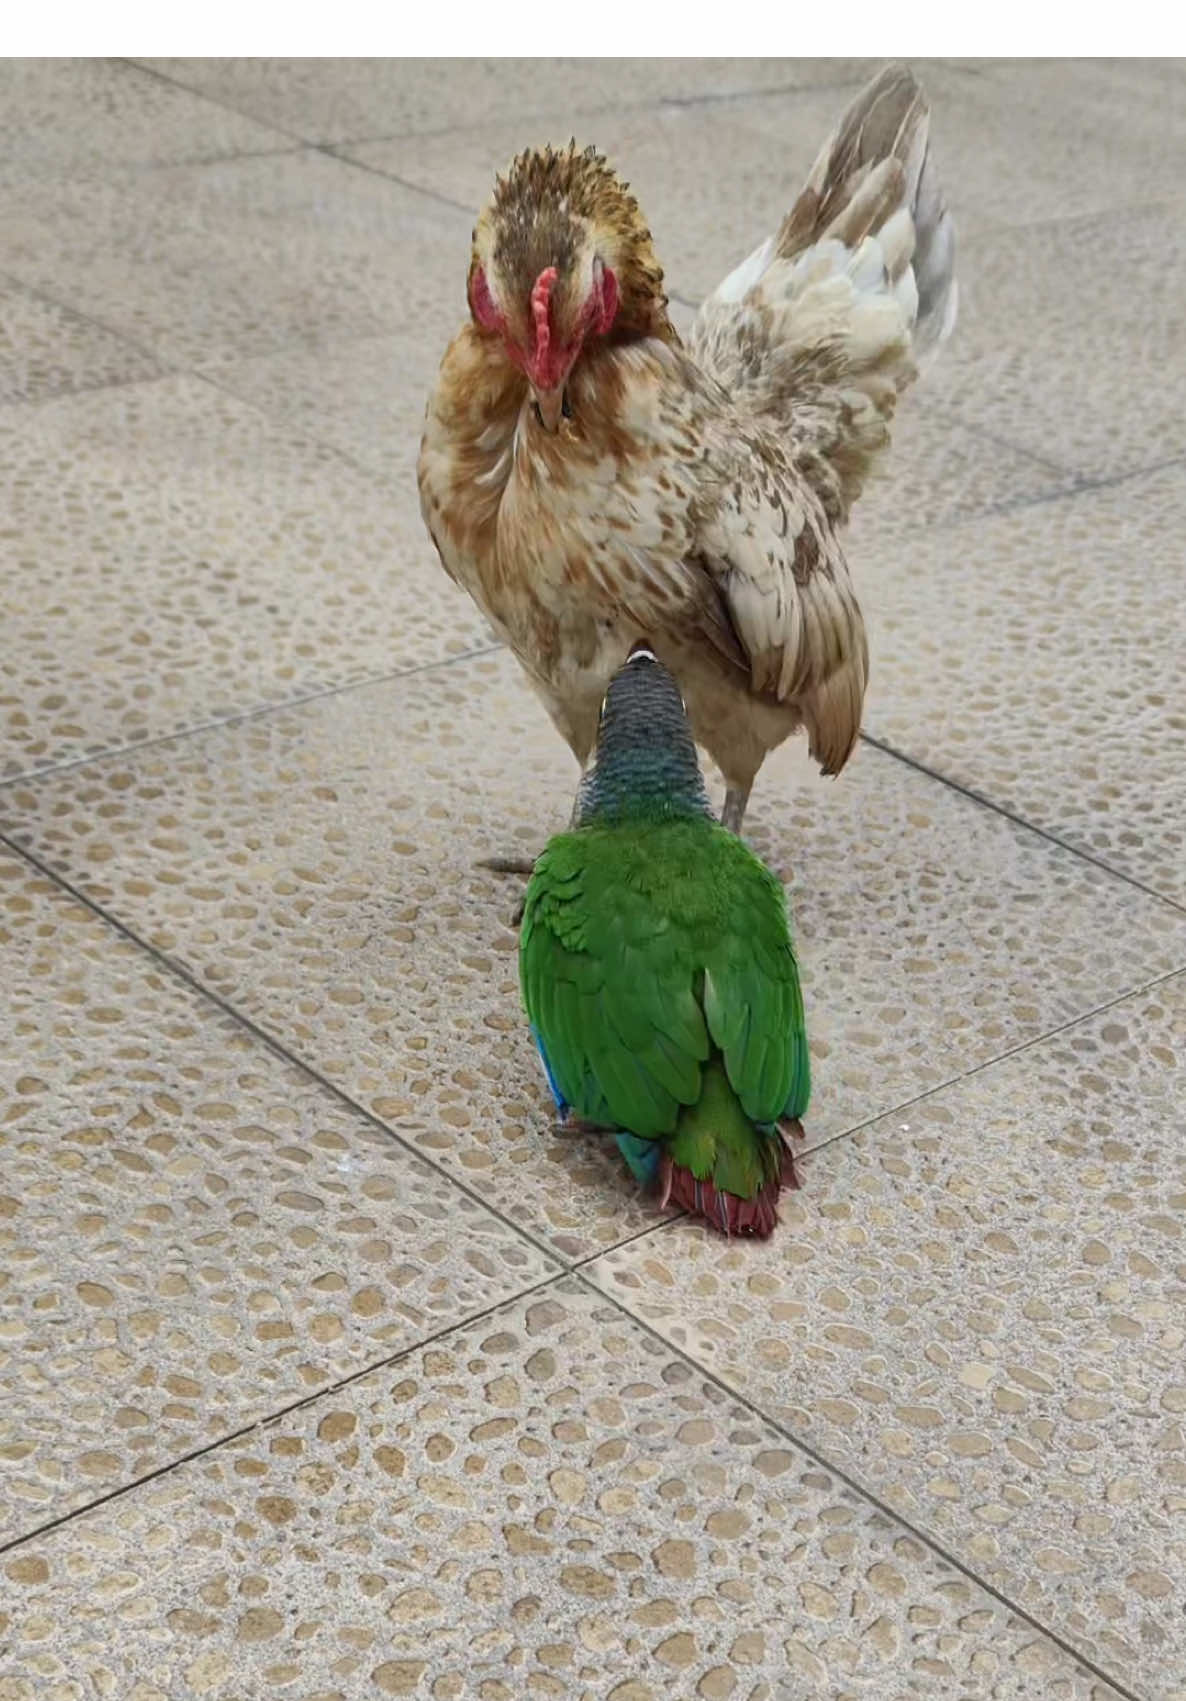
{"points": [[752, 997], [619, 977], [609, 985]]}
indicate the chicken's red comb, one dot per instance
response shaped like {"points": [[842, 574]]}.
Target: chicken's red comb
{"points": [[541, 303]]}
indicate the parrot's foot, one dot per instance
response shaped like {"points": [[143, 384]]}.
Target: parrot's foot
{"points": [[522, 865], [733, 814], [577, 1125], [518, 865]]}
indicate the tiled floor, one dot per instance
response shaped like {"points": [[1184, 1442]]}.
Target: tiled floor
{"points": [[328, 1368]]}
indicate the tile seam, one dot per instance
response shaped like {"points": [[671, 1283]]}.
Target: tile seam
{"points": [[239, 717], [279, 1048], [269, 1418], [864, 1493], [876, 742], [599, 1294]]}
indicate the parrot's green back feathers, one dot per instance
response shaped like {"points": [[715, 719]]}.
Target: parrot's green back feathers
{"points": [[658, 973]]}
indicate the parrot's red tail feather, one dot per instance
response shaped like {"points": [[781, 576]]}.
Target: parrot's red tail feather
{"points": [[727, 1212]]}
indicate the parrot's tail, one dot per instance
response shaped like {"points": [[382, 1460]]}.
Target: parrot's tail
{"points": [[730, 1212], [717, 1164]]}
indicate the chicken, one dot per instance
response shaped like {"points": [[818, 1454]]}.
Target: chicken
{"points": [[592, 482]]}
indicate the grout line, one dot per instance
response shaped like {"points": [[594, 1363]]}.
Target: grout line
{"points": [[626, 1240], [963, 1075], [578, 115], [99, 387], [1065, 1027], [962, 70], [330, 150], [221, 377], [146, 70], [40, 293], [190, 161], [337, 150], [278, 1415], [992, 234], [724, 97], [281, 1050], [605, 1296], [854, 1484], [1083, 485], [278, 1047], [31, 776], [921, 767], [939, 412]]}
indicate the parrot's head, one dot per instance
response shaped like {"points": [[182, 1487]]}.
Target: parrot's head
{"points": [[641, 680], [561, 261], [645, 762]]}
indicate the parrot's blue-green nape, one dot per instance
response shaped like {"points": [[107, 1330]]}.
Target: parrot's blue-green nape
{"points": [[658, 972]]}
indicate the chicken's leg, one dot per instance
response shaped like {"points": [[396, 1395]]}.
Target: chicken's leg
{"points": [[733, 814]]}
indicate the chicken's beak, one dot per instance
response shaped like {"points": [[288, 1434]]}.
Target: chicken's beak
{"points": [[551, 406]]}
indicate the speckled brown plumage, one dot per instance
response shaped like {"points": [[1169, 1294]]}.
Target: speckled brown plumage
{"points": [[692, 497]]}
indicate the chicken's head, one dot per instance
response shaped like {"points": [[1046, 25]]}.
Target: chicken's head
{"points": [[561, 258]]}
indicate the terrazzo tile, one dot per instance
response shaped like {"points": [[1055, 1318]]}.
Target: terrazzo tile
{"points": [[193, 1234], [547, 1503], [316, 867], [1084, 370], [935, 473], [1124, 89], [172, 557], [1037, 658], [46, 350], [87, 114], [234, 257], [332, 100], [365, 398], [976, 1309]]}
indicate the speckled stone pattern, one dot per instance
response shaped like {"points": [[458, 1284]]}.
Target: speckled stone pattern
{"points": [[329, 1367]]}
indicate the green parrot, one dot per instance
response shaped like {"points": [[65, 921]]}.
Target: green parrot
{"points": [[658, 973]]}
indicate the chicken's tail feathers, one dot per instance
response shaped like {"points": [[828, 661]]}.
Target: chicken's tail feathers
{"points": [[875, 177], [822, 327]]}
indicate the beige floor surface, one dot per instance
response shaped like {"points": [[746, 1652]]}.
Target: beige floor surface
{"points": [[328, 1367]]}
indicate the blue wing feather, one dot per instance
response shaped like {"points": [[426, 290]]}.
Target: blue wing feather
{"points": [[561, 1101]]}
